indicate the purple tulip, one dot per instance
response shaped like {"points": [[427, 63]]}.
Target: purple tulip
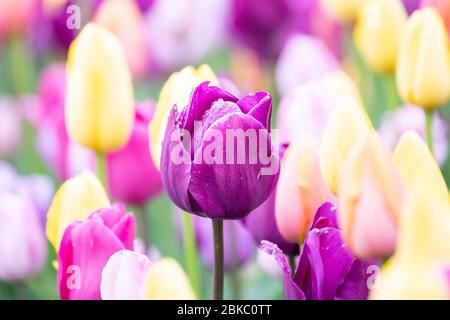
{"points": [[262, 226], [411, 5], [326, 270], [86, 247], [132, 177], [208, 166]]}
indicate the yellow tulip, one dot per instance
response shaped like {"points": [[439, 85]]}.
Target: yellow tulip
{"points": [[166, 280], [99, 103], [75, 200], [341, 85], [347, 123], [377, 32], [418, 268], [177, 90], [418, 169], [370, 199], [423, 62], [343, 10]]}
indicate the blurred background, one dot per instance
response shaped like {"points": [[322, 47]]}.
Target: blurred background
{"points": [[274, 45]]}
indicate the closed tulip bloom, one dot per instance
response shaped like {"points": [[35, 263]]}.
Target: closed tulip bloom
{"points": [[411, 5], [303, 58], [99, 103], [410, 117], [377, 33], [343, 10], [301, 189], [123, 276], [419, 269], [442, 6], [23, 248], [418, 169], [75, 200], [370, 199], [132, 176], [347, 123], [327, 270], [166, 280], [124, 19], [224, 178], [86, 247], [306, 109], [423, 64], [176, 91], [16, 16]]}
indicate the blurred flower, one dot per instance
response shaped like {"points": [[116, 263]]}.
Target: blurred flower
{"points": [[10, 128], [123, 276], [419, 269], [262, 226], [419, 170], [423, 64], [132, 176], [370, 199], [301, 189], [378, 29], [166, 280], [343, 10], [306, 109], [410, 117], [15, 16], [99, 103], [86, 247], [442, 6], [348, 121], [40, 190], [23, 248], [268, 264], [215, 187], [239, 246], [326, 270], [264, 26], [303, 58], [74, 201], [182, 33], [411, 5], [124, 19], [176, 91]]}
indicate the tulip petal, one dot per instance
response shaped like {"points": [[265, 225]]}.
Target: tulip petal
{"points": [[259, 106]]}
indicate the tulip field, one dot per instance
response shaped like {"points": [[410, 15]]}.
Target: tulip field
{"points": [[224, 149]]}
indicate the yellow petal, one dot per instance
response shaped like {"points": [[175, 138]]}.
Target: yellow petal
{"points": [[177, 90], [343, 10], [377, 32], [99, 103], [423, 64], [166, 280], [75, 200], [418, 168], [347, 123]]}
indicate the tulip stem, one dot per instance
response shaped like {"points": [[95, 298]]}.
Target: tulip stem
{"points": [[144, 227], [218, 258], [292, 264], [21, 290], [190, 252], [429, 128], [101, 168]]}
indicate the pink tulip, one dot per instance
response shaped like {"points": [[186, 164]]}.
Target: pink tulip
{"points": [[86, 247], [123, 276], [23, 247], [132, 177], [303, 58], [15, 16], [10, 128], [301, 189]]}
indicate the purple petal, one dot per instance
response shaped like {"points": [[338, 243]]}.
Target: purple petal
{"points": [[231, 191], [176, 176], [259, 106], [325, 217], [354, 287], [291, 290]]}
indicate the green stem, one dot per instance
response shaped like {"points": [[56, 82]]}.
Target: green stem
{"points": [[429, 128], [144, 227], [218, 259], [234, 270], [292, 265], [190, 252], [101, 169], [390, 88], [20, 290], [20, 67]]}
